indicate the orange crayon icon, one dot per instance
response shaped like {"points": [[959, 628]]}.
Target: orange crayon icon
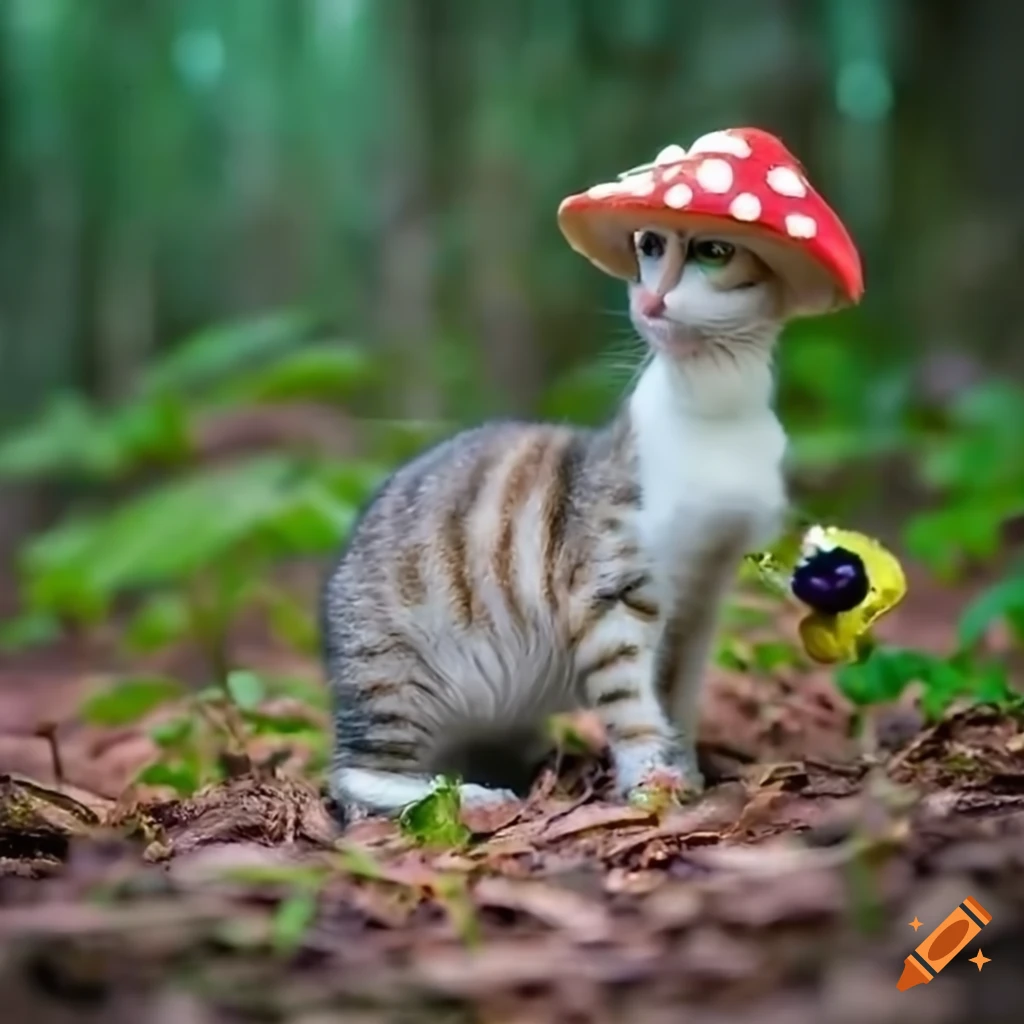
{"points": [[943, 944]]}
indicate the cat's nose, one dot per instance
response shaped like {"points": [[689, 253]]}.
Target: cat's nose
{"points": [[649, 304]]}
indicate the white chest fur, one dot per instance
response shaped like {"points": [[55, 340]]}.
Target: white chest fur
{"points": [[709, 447]]}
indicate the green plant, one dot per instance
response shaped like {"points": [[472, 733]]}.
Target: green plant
{"points": [[187, 548], [193, 540], [974, 464], [435, 819], [205, 736]]}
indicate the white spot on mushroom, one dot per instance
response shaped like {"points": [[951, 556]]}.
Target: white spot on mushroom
{"points": [[638, 184], [679, 196], [604, 190], [722, 142], [798, 225], [715, 175], [746, 206], [671, 154], [786, 182]]}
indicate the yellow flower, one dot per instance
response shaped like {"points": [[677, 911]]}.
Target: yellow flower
{"points": [[845, 636]]}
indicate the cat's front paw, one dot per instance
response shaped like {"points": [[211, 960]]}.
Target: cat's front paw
{"points": [[668, 766], [474, 795], [664, 787]]}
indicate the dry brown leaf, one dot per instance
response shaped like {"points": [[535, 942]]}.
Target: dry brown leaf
{"points": [[83, 919], [704, 822], [584, 920], [497, 849], [593, 816], [712, 956], [620, 881], [486, 819], [675, 906], [249, 809], [371, 831], [500, 965], [797, 896], [450, 860], [760, 807]]}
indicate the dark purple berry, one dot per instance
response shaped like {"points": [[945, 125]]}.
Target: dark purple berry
{"points": [[831, 581]]}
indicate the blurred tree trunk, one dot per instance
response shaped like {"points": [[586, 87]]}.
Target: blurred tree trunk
{"points": [[125, 309], [958, 166], [405, 303], [503, 319], [991, 146], [499, 217]]}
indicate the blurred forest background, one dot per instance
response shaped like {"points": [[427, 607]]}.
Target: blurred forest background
{"points": [[254, 251]]}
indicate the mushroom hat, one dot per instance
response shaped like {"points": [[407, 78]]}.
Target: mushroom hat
{"points": [[741, 183]]}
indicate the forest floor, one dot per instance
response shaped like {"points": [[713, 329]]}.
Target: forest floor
{"points": [[786, 894]]}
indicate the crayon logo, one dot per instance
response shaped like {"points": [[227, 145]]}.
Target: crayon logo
{"points": [[944, 943]]}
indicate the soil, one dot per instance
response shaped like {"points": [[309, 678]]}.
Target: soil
{"points": [[792, 891]]}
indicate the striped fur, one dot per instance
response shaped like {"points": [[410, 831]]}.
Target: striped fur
{"points": [[520, 569]]}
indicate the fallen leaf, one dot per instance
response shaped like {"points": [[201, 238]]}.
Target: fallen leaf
{"points": [[620, 881], [705, 821], [38, 822], [593, 816], [584, 920], [675, 907], [760, 807], [485, 819], [713, 956], [798, 896]]}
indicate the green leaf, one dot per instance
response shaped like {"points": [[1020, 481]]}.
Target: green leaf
{"points": [[293, 919], [310, 521], [588, 393], [167, 534], [153, 430], [130, 700], [172, 733], [182, 778], [293, 876], [943, 538], [990, 684], [32, 629], [290, 621], [308, 691], [162, 620], [325, 372], [71, 438], [435, 820], [770, 655], [226, 348], [246, 689], [944, 682], [1003, 601], [294, 726], [882, 676], [359, 861], [732, 654], [68, 438]]}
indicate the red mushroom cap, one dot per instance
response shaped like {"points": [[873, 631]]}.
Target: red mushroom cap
{"points": [[739, 182]]}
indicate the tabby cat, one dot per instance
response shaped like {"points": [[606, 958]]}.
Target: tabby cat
{"points": [[518, 569]]}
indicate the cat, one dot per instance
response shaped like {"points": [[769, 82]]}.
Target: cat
{"points": [[518, 569]]}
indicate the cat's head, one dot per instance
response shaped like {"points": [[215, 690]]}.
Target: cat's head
{"points": [[721, 243], [704, 297]]}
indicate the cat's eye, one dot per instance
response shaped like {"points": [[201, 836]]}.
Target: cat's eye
{"points": [[710, 252], [650, 245]]}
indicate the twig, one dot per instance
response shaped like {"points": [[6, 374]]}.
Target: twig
{"points": [[48, 731]]}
